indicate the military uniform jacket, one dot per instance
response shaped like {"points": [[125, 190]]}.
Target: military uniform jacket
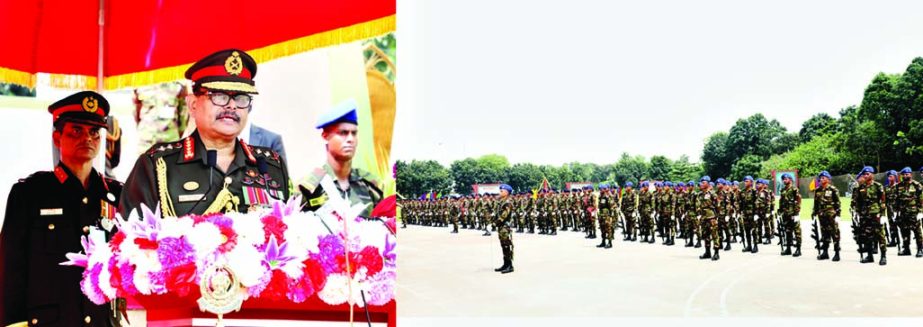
{"points": [[645, 202], [46, 215], [789, 202], [665, 202], [909, 197], [706, 204], [748, 198], [870, 199], [174, 177], [826, 201], [363, 188], [629, 201]]}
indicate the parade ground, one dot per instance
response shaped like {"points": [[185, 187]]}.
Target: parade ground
{"points": [[451, 275]]}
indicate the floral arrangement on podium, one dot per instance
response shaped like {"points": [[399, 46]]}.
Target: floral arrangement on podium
{"points": [[278, 253]]}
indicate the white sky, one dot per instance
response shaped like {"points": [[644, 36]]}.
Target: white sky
{"points": [[550, 82]]}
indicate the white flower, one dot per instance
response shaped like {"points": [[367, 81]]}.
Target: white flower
{"points": [[246, 262], [302, 232], [249, 229], [174, 227], [336, 290], [205, 238]]}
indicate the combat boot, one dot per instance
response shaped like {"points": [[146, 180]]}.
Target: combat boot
{"points": [[868, 258], [747, 248], [836, 255], [906, 250], [823, 255], [788, 250], [486, 233], [508, 269], [716, 256], [688, 242], [609, 244], [554, 231], [919, 253], [883, 260], [531, 229], [727, 247], [506, 263], [602, 243], [797, 251], [455, 231], [707, 254], [698, 243], [652, 239], [756, 247]]}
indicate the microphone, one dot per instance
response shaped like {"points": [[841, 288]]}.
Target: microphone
{"points": [[211, 158]]}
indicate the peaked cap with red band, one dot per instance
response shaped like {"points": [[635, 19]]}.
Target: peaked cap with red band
{"points": [[86, 107], [225, 70]]}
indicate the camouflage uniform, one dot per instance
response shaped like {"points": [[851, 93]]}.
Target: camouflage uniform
{"points": [[909, 200], [645, 208], [589, 211], [160, 113], [869, 202], [891, 202], [748, 199], [664, 203], [629, 205], [723, 198], [605, 219], [764, 206], [707, 206], [789, 209], [692, 220], [504, 210]]}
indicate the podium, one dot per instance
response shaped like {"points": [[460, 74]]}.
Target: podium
{"points": [[259, 312]]}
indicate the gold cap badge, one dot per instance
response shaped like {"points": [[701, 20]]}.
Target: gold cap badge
{"points": [[233, 64], [90, 104]]}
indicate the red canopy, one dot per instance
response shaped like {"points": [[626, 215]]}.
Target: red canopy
{"points": [[152, 41]]}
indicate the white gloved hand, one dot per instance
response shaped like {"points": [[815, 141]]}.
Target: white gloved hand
{"points": [[882, 220], [919, 215]]}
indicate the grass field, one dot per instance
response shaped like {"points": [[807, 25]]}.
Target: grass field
{"points": [[808, 204]]}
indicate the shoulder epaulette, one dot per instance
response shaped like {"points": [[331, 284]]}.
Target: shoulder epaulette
{"points": [[161, 149]]}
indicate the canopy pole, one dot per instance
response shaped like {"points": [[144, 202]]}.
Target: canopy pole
{"points": [[101, 163]]}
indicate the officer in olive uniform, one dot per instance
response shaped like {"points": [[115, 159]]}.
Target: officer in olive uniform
{"points": [[909, 201], [212, 170], [340, 128], [789, 208], [504, 209], [46, 216], [827, 210]]}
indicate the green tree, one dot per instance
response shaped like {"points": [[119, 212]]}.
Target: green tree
{"points": [[683, 170], [819, 124], [630, 168], [524, 176], [419, 177], [748, 165], [716, 159], [660, 168]]}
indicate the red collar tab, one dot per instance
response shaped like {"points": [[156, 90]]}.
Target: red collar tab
{"points": [[60, 174], [188, 149], [247, 151]]}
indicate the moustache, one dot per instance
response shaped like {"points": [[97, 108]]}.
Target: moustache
{"points": [[228, 114]]}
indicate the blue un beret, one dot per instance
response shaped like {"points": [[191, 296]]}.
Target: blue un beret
{"points": [[748, 178], [668, 184], [345, 112], [824, 174], [705, 179], [786, 176], [506, 187]]}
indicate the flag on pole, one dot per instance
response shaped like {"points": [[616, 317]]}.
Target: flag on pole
{"points": [[813, 184]]}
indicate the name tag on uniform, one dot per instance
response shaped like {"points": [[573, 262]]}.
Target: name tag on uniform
{"points": [[51, 212], [318, 201], [191, 197]]}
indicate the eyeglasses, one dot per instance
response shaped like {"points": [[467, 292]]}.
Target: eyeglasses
{"points": [[79, 132], [222, 99]]}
